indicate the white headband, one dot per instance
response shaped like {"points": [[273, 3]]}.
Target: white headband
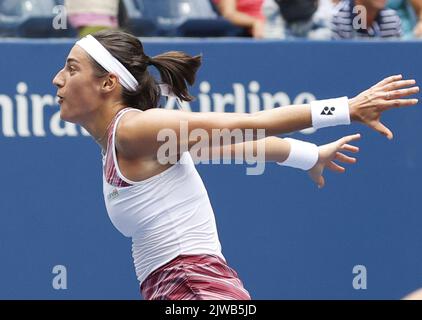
{"points": [[100, 54]]}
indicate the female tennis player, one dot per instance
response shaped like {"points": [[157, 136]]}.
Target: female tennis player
{"points": [[106, 87]]}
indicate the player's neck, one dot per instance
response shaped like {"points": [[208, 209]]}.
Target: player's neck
{"points": [[99, 122]]}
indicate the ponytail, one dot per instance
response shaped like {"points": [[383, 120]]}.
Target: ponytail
{"points": [[177, 69]]}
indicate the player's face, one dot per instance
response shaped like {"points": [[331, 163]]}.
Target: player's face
{"points": [[78, 88]]}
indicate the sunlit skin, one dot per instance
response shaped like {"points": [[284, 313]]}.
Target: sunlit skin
{"points": [[93, 102], [85, 99]]}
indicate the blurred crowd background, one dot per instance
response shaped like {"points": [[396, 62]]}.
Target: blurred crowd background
{"points": [[260, 19]]}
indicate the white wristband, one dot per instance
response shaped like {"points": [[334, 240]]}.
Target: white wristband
{"points": [[303, 155], [331, 112]]}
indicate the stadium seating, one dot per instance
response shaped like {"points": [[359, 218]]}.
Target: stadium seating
{"points": [[30, 19], [181, 18], [186, 18], [137, 23]]}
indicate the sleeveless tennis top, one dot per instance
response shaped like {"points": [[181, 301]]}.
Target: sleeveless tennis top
{"points": [[166, 215]]}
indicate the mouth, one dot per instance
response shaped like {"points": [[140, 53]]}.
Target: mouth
{"points": [[59, 99]]}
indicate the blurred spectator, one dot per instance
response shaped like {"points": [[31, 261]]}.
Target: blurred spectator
{"points": [[417, 5], [274, 23], [410, 13], [350, 22], [298, 18], [93, 15], [325, 12], [10, 8], [243, 13]]}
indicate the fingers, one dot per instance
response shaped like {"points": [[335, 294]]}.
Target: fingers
{"points": [[343, 158], [398, 84], [398, 103], [335, 167], [350, 138], [388, 80], [321, 182], [378, 126], [348, 147], [396, 94]]}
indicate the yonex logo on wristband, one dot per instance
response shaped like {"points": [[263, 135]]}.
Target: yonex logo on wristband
{"points": [[331, 112], [328, 111]]}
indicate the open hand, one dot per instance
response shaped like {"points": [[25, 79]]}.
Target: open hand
{"points": [[387, 94], [327, 153]]}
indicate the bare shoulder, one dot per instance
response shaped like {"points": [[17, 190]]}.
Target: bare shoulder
{"points": [[136, 132], [150, 117], [136, 154]]}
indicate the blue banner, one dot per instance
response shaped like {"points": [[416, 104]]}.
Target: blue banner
{"points": [[358, 238]]}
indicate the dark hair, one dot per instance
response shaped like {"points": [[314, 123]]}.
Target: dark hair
{"points": [[177, 69]]}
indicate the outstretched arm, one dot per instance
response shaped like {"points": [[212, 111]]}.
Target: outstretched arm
{"points": [[367, 107], [274, 149], [139, 135], [269, 149]]}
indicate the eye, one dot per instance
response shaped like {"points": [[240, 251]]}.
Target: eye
{"points": [[71, 68]]}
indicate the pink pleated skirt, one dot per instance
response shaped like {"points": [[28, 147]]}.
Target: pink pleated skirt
{"points": [[194, 277]]}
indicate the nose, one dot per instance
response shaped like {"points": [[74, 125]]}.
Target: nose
{"points": [[58, 79]]}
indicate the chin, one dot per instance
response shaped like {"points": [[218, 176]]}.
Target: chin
{"points": [[65, 117], [62, 115]]}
